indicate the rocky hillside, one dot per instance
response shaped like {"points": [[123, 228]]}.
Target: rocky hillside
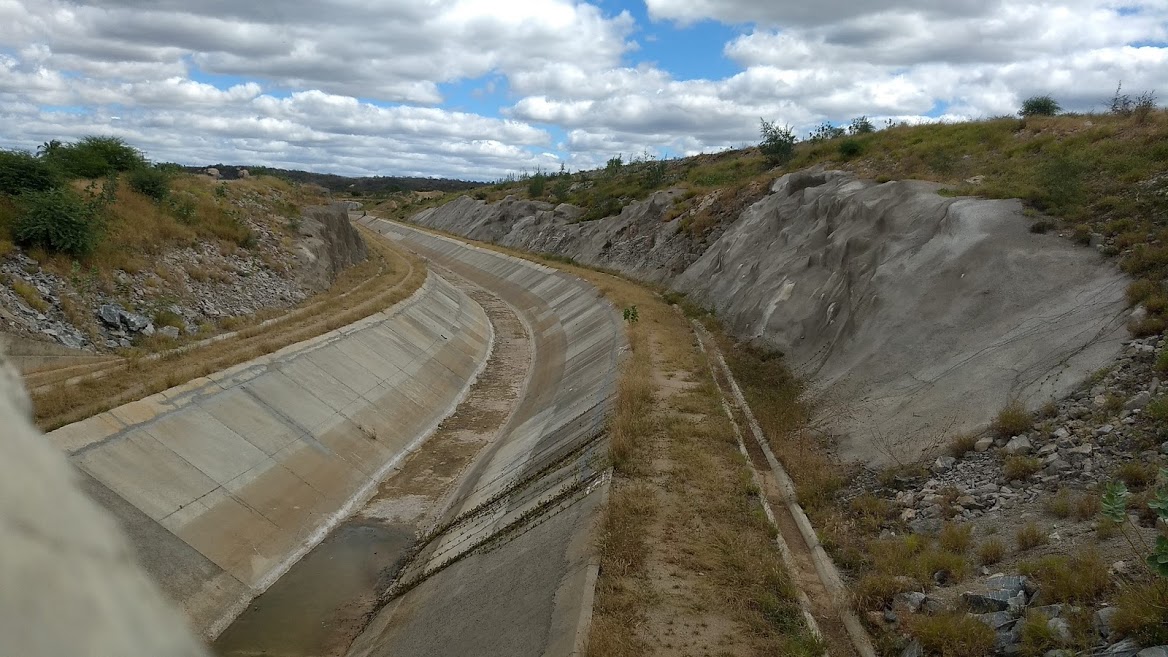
{"points": [[164, 267], [914, 316]]}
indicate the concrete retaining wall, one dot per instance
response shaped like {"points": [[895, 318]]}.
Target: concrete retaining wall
{"points": [[223, 483]]}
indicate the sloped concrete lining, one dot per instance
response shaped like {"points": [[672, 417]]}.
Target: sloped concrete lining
{"points": [[508, 571], [223, 483]]}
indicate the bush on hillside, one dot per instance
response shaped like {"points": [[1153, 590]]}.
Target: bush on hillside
{"points": [[778, 143], [58, 220], [151, 181], [22, 172], [850, 148], [861, 126], [1040, 106], [95, 157]]}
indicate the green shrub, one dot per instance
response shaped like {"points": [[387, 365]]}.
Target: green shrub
{"points": [[58, 220], [536, 185], [991, 551], [778, 143], [952, 634], [1040, 106], [1080, 578], [151, 181], [851, 148], [22, 172], [95, 157], [861, 126]]}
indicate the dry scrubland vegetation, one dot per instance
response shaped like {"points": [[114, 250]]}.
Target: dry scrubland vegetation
{"points": [[96, 206]]}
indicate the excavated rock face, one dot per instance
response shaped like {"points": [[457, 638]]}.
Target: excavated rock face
{"points": [[329, 243], [913, 316]]}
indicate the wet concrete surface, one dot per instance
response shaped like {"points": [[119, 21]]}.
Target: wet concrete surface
{"points": [[313, 609]]}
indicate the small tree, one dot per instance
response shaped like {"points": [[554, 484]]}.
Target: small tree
{"points": [[536, 184], [778, 144], [1044, 105], [151, 181], [614, 165], [860, 126], [59, 220], [825, 132], [21, 172]]}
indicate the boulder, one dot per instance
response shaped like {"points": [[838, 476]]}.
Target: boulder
{"points": [[1018, 445], [983, 444], [110, 314]]}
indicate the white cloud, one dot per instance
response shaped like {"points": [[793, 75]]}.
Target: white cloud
{"points": [[360, 87]]}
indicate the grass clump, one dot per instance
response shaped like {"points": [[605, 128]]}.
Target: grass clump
{"points": [[1018, 467], [962, 445], [30, 295], [991, 551], [1136, 474], [1081, 578], [1030, 536], [952, 634], [1143, 613], [956, 537], [1044, 105], [1012, 420]]}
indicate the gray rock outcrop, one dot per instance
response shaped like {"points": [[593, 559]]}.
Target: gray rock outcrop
{"points": [[914, 316], [329, 244]]}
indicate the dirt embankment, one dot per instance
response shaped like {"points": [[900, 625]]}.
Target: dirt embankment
{"points": [[177, 286], [914, 315]]}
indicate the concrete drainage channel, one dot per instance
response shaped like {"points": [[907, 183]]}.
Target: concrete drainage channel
{"points": [[301, 473]]}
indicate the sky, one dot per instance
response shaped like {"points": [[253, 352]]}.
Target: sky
{"points": [[478, 89]]}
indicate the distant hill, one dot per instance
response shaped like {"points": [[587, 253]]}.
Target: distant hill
{"points": [[374, 185]]}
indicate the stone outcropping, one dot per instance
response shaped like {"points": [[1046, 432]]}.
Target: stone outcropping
{"points": [[913, 315], [329, 244]]}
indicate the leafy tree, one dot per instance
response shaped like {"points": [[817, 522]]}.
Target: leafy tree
{"points": [[1044, 105], [21, 172], [826, 132], [536, 184], [94, 157], [860, 126], [778, 143]]}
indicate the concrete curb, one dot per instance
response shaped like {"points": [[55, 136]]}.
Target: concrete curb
{"points": [[824, 566]]}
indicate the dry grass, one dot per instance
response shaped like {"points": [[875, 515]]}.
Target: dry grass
{"points": [[1020, 467], [1080, 578], [962, 444], [1143, 613], [1030, 536], [30, 295], [956, 537], [1012, 420], [1136, 474], [991, 551], [953, 634], [385, 279]]}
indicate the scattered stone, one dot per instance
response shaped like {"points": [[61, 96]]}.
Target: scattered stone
{"points": [[1104, 430], [1125, 648], [997, 620], [911, 600], [169, 331], [110, 315], [944, 464], [983, 444], [1139, 401], [987, 603], [1103, 620], [1018, 445], [1158, 651], [1060, 628], [913, 649]]}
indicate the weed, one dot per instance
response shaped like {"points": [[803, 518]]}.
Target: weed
{"points": [[952, 634], [778, 143], [962, 444], [1019, 468], [1059, 505], [850, 148], [1146, 327], [1085, 506], [1041, 227], [1081, 578], [877, 590], [871, 511], [1030, 536], [956, 537], [991, 551], [1143, 613], [1037, 635], [1012, 420], [30, 295], [1136, 474]]}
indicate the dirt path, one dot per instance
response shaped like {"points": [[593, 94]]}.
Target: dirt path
{"points": [[325, 600]]}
